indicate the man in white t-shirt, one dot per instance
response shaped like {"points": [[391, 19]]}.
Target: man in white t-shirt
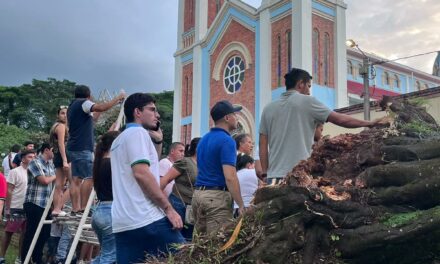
{"points": [[143, 219], [7, 161], [17, 185], [177, 152]]}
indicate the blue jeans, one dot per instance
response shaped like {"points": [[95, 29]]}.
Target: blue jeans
{"points": [[153, 239], [64, 243], [102, 224], [180, 207], [82, 163]]}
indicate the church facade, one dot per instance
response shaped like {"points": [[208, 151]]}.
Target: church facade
{"points": [[227, 49]]}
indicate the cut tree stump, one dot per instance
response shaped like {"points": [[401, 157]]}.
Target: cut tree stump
{"points": [[372, 197]]}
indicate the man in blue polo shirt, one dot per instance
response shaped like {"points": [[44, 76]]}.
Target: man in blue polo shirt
{"points": [[217, 182]]}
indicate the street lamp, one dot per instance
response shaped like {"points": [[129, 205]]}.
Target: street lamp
{"points": [[364, 71]]}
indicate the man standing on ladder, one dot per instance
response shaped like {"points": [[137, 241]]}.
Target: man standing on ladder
{"points": [[41, 174], [81, 142]]}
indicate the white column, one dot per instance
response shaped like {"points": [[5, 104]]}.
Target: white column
{"points": [[265, 59], [197, 92], [177, 99], [302, 34], [340, 56], [180, 24], [201, 25]]}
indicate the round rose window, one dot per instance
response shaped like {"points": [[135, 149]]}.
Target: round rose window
{"points": [[234, 74]]}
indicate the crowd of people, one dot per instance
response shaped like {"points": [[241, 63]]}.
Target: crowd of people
{"points": [[147, 205]]}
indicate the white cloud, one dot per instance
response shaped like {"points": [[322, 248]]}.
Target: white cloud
{"points": [[396, 29]]}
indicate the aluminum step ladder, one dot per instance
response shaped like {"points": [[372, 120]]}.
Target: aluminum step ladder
{"points": [[82, 223]]}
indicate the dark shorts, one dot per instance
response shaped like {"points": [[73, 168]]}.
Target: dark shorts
{"points": [[81, 163], [58, 160]]}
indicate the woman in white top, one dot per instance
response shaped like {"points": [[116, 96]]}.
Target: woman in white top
{"points": [[245, 145], [247, 178]]}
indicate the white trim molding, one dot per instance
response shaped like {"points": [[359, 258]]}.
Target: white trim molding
{"points": [[224, 54]]}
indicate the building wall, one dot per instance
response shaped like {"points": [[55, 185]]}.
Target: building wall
{"points": [[189, 15], [246, 95], [325, 26], [280, 29], [213, 7], [185, 134], [187, 91]]}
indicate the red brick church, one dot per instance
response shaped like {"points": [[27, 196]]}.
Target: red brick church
{"points": [[229, 50]]}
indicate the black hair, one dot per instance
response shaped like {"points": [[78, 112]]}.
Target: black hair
{"points": [[27, 143], [191, 148], [15, 148], [294, 76], [243, 160], [82, 91], [239, 139], [27, 151], [136, 100], [103, 146], [43, 147]]}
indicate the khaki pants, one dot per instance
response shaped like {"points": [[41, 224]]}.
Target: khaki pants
{"points": [[212, 209]]}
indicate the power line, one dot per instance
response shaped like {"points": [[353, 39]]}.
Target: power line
{"points": [[407, 57]]}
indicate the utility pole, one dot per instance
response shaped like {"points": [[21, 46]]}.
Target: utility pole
{"points": [[366, 77], [365, 72]]}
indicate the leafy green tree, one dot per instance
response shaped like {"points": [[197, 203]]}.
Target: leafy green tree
{"points": [[30, 110], [34, 106], [10, 135], [164, 103]]}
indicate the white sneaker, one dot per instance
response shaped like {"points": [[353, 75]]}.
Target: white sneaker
{"points": [[60, 214]]}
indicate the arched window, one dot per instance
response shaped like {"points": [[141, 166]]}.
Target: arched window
{"points": [[186, 94], [315, 43], [326, 59], [234, 75], [396, 81], [386, 78], [185, 134], [350, 68], [418, 86], [279, 61], [357, 70], [289, 50]]}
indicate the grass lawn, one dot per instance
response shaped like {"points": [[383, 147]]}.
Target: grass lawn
{"points": [[11, 254]]}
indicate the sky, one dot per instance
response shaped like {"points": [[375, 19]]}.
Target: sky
{"points": [[130, 44]]}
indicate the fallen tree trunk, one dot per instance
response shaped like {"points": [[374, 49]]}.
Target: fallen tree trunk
{"points": [[363, 198]]}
